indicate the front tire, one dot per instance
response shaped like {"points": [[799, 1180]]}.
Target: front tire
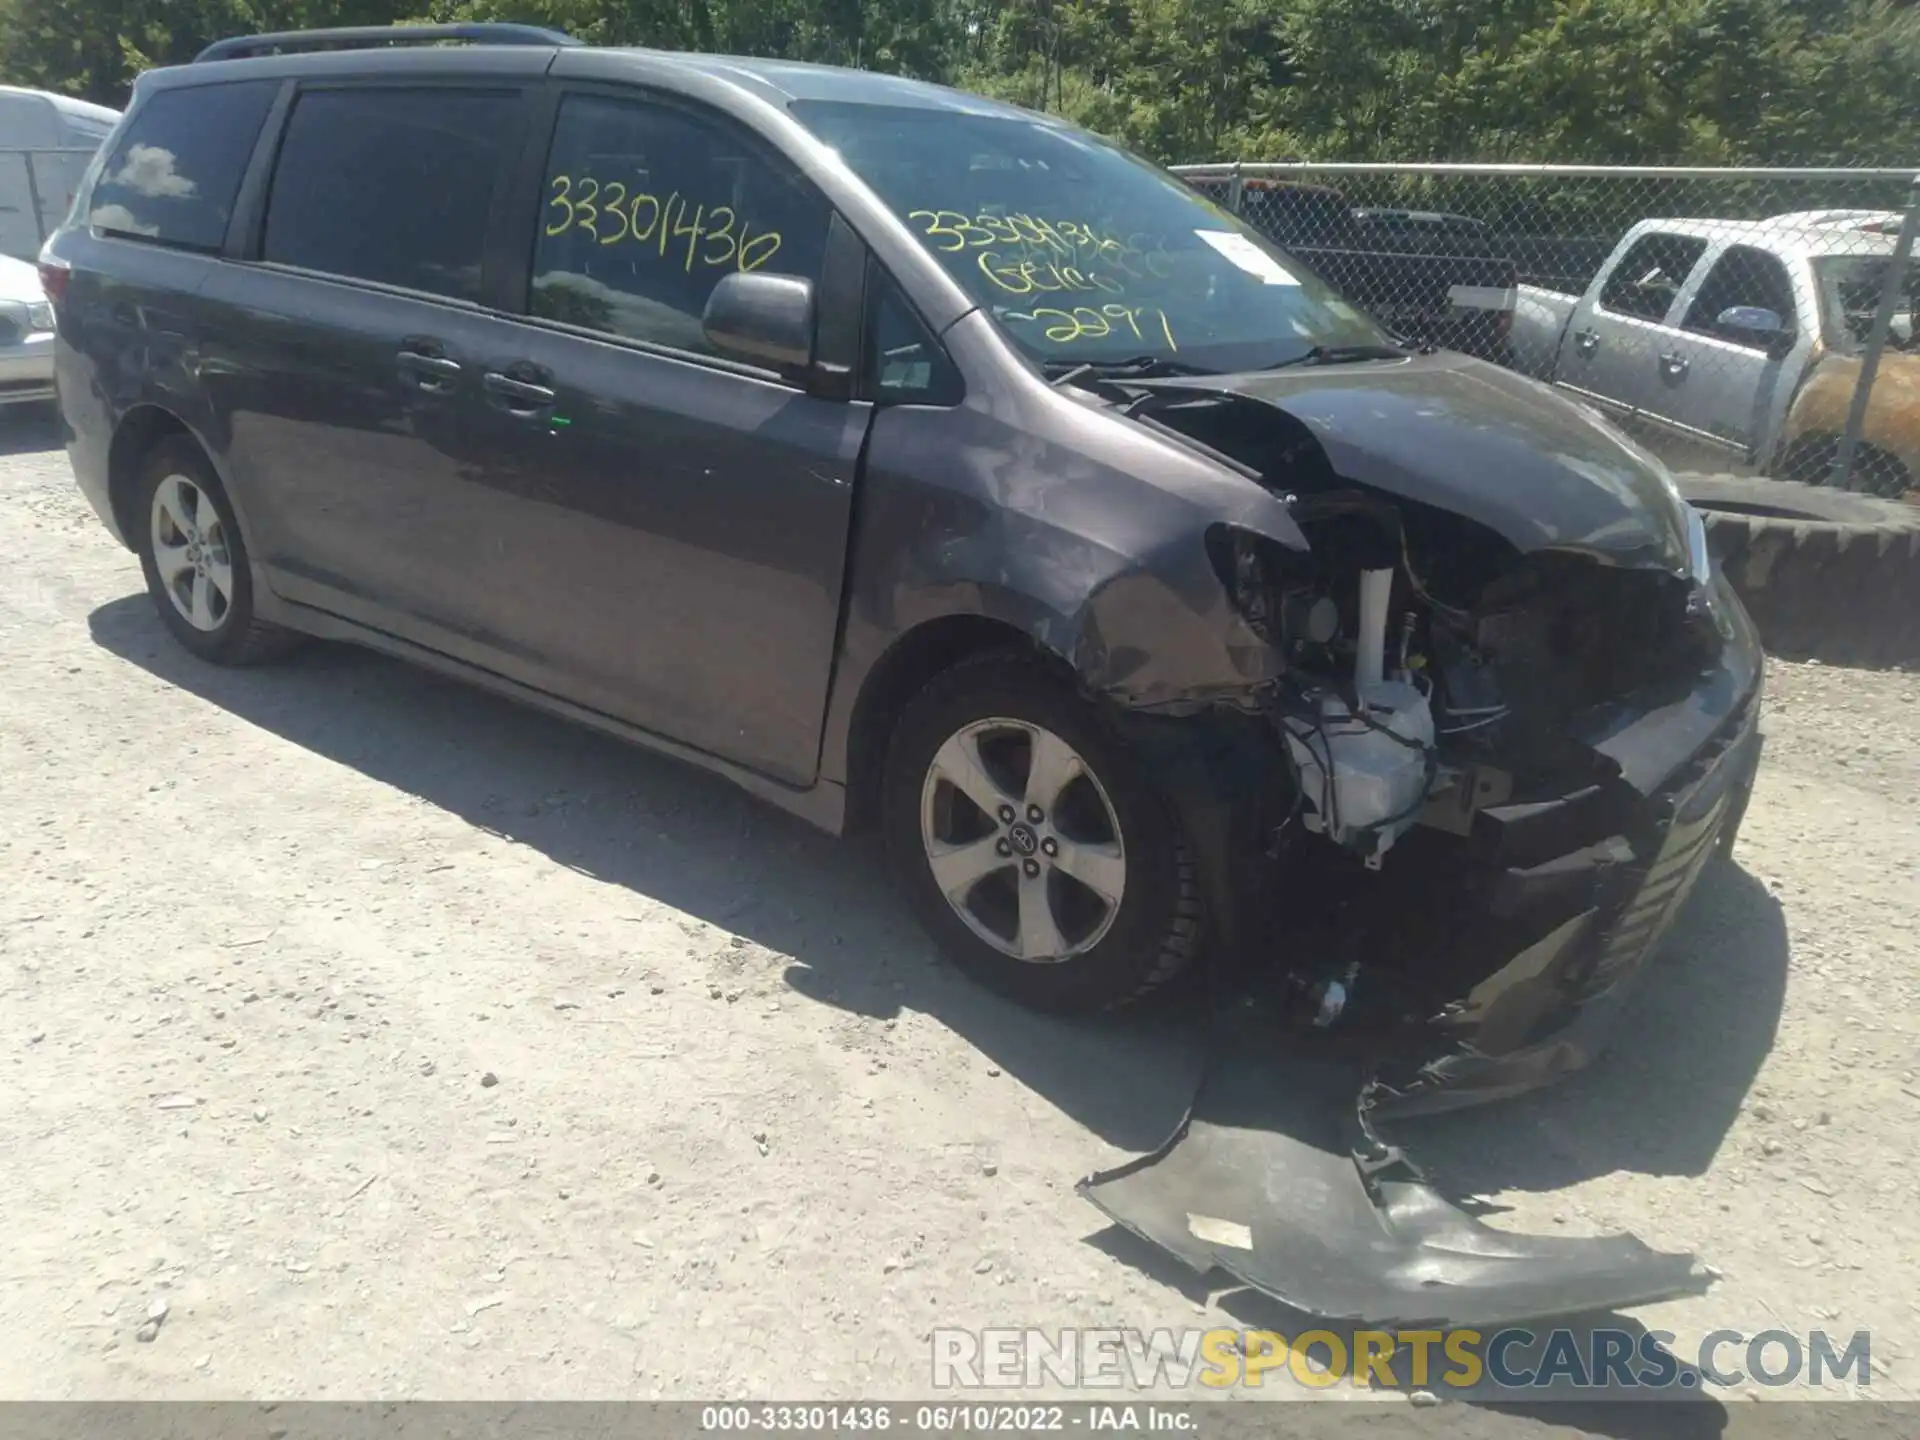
{"points": [[1031, 844], [195, 560]]}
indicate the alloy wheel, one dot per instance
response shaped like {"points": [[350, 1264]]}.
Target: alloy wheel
{"points": [[190, 553], [1023, 840]]}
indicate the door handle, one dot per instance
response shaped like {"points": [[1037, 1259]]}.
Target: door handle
{"points": [[1673, 367], [518, 397], [425, 368], [1586, 342]]}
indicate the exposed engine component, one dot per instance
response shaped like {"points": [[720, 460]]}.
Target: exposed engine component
{"points": [[1309, 617], [1330, 996], [1557, 634], [1289, 606], [1366, 761], [1433, 668], [1370, 656]]}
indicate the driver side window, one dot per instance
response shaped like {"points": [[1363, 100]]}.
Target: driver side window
{"points": [[1742, 277], [645, 206]]}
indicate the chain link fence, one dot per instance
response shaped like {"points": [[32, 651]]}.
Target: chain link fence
{"points": [[36, 191], [1760, 321]]}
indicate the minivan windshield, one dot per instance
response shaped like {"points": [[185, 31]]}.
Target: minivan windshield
{"points": [[1083, 253]]}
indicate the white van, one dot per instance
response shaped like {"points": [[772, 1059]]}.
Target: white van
{"points": [[56, 136]]}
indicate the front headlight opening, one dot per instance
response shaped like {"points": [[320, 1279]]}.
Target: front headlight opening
{"points": [[40, 316], [1243, 572]]}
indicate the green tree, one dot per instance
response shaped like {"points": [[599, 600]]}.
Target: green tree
{"points": [[95, 48], [1702, 81]]}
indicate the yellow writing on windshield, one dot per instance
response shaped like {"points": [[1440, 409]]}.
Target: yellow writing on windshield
{"points": [[1147, 323], [1022, 254], [1024, 276], [677, 228]]}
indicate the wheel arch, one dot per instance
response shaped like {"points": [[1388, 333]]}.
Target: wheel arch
{"points": [[908, 664], [140, 429]]}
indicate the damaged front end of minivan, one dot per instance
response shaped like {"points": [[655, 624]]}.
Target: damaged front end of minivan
{"points": [[1511, 716]]}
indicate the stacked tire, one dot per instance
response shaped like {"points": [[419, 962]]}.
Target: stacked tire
{"points": [[1826, 574]]}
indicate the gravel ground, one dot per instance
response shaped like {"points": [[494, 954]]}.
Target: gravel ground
{"points": [[406, 1043]]}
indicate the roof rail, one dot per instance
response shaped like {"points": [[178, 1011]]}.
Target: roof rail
{"points": [[371, 37]]}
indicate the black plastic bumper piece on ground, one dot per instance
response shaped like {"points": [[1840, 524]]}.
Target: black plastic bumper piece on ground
{"points": [[1276, 1178], [1268, 1179]]}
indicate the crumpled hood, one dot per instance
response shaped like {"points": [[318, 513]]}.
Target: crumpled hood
{"points": [[1484, 443]]}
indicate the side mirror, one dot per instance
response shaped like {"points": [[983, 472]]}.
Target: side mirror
{"points": [[1756, 325], [765, 319]]}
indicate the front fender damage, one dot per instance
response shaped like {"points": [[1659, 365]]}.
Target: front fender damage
{"points": [[1159, 635], [1148, 647], [1548, 721]]}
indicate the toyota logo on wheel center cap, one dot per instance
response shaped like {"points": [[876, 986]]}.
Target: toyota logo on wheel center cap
{"points": [[1023, 840]]}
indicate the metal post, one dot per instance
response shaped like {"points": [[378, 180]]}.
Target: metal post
{"points": [[1877, 340], [33, 198], [1236, 190]]}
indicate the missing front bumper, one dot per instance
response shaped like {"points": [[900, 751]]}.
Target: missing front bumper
{"points": [[1550, 1010], [1277, 1178]]}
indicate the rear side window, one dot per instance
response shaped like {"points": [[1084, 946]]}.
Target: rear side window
{"points": [[177, 167], [646, 206], [1649, 276], [392, 186]]}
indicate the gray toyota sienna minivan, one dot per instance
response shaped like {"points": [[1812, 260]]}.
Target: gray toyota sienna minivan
{"points": [[917, 461]]}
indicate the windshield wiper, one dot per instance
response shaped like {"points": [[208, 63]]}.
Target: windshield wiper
{"points": [[1340, 355], [1137, 367]]}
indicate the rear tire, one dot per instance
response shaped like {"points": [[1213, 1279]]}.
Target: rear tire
{"points": [[1087, 900], [195, 560]]}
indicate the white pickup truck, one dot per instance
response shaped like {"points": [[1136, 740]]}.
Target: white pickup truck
{"points": [[1699, 334]]}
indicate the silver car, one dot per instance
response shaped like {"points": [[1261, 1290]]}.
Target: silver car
{"points": [[26, 335]]}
